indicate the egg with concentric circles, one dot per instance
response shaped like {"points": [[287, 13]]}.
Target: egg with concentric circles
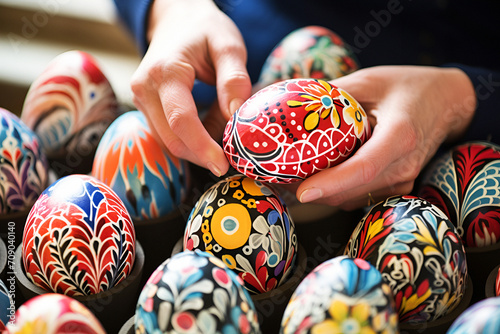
{"points": [[246, 224], [195, 292], [293, 129], [79, 238]]}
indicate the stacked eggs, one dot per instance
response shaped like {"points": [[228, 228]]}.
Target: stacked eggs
{"points": [[69, 106], [79, 238], [23, 165]]}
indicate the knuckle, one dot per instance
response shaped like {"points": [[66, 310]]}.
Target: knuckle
{"points": [[369, 170], [175, 120]]}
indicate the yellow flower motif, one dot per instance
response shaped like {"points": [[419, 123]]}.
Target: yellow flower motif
{"points": [[353, 113], [238, 194], [319, 104], [346, 319], [35, 326]]}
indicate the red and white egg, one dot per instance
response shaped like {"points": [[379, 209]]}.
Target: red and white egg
{"points": [[79, 238], [293, 129]]}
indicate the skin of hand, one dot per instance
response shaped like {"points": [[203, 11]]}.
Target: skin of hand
{"points": [[412, 111], [190, 39]]}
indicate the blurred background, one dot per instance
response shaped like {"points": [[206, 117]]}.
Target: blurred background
{"points": [[33, 32]]}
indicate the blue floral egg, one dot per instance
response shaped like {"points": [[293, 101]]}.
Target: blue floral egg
{"points": [[341, 295], [465, 184], [480, 318], [23, 165], [195, 292], [246, 224], [419, 253], [6, 305], [150, 181]]}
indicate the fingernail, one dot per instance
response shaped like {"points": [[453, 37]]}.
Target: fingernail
{"points": [[235, 104], [214, 169], [310, 195]]}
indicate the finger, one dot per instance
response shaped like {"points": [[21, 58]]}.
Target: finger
{"points": [[233, 82], [182, 118], [214, 122], [360, 85], [367, 164]]}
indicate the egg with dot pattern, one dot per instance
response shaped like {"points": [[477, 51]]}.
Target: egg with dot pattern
{"points": [[293, 129], [195, 292], [23, 165], [246, 224], [464, 183], [341, 295], [419, 254], [309, 52]]}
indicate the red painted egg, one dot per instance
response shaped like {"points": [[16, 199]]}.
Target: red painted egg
{"points": [[293, 129], [69, 106], [55, 314], [79, 238]]}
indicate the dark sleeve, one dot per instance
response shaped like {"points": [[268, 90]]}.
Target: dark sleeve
{"points": [[486, 122], [134, 15]]}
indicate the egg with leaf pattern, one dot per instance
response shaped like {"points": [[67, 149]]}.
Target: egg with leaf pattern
{"points": [[246, 224], [79, 238], [419, 254], [464, 183], [293, 129]]}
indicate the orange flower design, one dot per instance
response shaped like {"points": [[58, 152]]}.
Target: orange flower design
{"points": [[353, 113], [318, 103]]}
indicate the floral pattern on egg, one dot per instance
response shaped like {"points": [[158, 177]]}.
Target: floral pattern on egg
{"points": [[150, 181], [291, 130], [341, 295], [419, 253], [465, 183], [53, 313], [69, 106], [310, 52], [23, 165], [246, 224], [482, 317], [195, 292], [79, 238]]}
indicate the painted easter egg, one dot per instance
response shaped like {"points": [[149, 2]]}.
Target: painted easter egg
{"points": [[497, 283], [150, 181], [482, 317], [419, 253], [79, 238], [246, 224], [465, 184], [310, 52], [69, 106], [23, 165], [291, 130], [7, 307], [53, 313], [341, 295], [195, 292]]}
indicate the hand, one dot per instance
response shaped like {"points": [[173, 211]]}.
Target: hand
{"points": [[190, 39], [412, 110]]}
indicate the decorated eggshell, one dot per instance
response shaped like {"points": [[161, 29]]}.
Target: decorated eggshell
{"points": [[419, 253], [195, 292], [79, 238], [69, 106], [465, 183], [497, 283], [150, 181], [53, 313], [291, 130], [482, 317], [246, 224], [310, 52], [23, 165], [6, 305], [341, 295]]}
